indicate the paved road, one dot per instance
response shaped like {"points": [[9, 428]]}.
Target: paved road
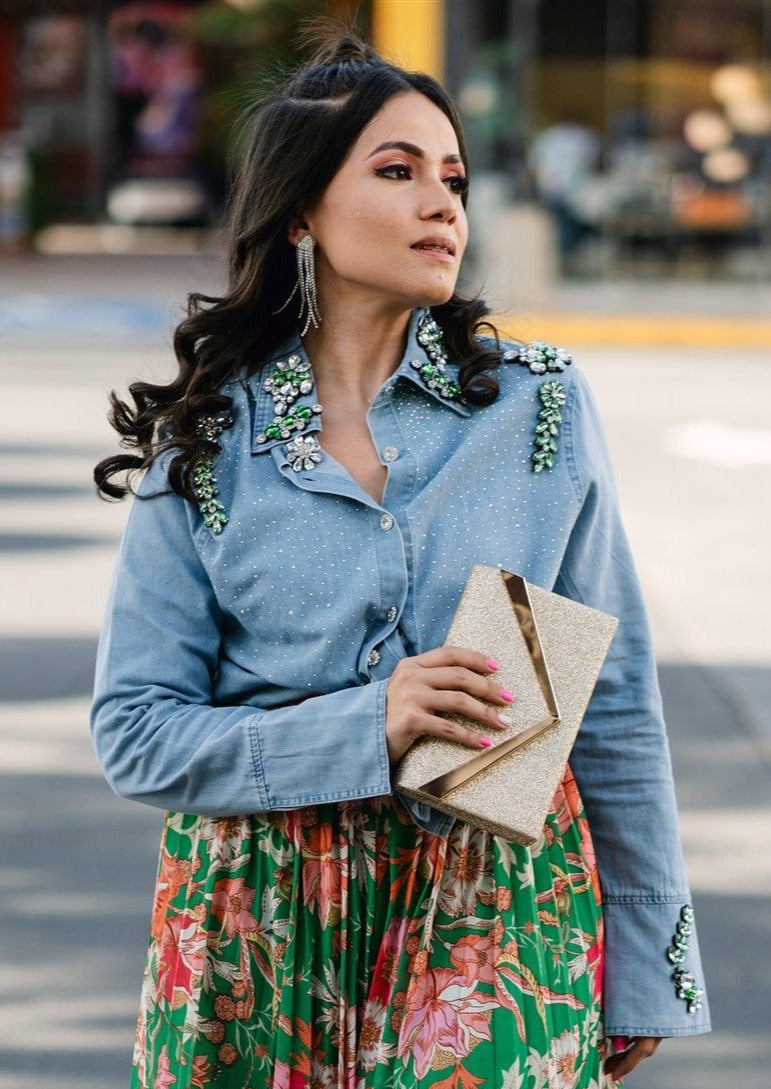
{"points": [[690, 438]]}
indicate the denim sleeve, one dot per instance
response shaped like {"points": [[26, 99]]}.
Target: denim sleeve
{"points": [[157, 735], [621, 761]]}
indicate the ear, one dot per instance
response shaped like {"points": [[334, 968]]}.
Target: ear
{"points": [[298, 227]]}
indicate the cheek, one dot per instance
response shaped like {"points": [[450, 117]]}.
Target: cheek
{"points": [[351, 235]]}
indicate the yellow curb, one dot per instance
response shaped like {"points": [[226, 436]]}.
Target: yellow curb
{"points": [[650, 330]]}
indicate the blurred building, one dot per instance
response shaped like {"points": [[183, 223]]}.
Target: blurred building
{"points": [[641, 123]]}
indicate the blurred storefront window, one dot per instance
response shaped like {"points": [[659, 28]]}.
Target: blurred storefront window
{"points": [[646, 126], [639, 130]]}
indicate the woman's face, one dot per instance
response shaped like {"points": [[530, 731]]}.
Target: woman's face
{"points": [[391, 226]]}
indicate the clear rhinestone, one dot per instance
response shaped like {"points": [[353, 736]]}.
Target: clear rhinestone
{"points": [[390, 453], [387, 522], [392, 613], [373, 658]]}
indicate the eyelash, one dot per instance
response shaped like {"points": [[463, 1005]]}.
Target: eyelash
{"points": [[402, 172]]}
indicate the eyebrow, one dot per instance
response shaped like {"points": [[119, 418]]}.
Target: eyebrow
{"points": [[410, 149]]}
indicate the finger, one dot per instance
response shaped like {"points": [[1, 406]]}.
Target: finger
{"points": [[457, 656], [434, 726], [461, 703], [458, 678], [618, 1066]]}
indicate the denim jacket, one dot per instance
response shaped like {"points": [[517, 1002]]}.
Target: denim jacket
{"points": [[245, 670]]}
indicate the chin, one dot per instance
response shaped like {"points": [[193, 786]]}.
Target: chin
{"points": [[437, 294]]}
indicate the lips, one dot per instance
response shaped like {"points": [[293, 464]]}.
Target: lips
{"points": [[435, 244]]}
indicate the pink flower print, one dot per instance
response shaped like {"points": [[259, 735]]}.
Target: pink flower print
{"points": [[442, 1012], [561, 1065], [387, 964], [181, 958], [164, 1077], [595, 959], [230, 904], [475, 957], [287, 1077]]}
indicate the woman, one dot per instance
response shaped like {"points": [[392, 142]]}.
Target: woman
{"points": [[331, 459]]}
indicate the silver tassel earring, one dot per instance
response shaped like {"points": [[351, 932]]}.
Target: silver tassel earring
{"points": [[306, 284]]}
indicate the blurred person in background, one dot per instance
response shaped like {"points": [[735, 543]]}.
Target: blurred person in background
{"points": [[562, 159], [345, 437]]}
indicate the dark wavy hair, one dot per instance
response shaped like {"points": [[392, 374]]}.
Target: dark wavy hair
{"points": [[297, 143]]}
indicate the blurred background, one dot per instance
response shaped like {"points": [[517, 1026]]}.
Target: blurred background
{"points": [[628, 137], [620, 207]]}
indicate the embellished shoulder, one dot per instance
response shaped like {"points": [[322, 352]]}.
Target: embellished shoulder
{"points": [[204, 483], [538, 356], [541, 358]]}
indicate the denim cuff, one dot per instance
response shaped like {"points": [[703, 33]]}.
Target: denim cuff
{"points": [[645, 991]]}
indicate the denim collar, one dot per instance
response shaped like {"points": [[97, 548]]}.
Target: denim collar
{"points": [[291, 349]]}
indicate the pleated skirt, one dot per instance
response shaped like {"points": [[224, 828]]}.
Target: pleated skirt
{"points": [[341, 947]]}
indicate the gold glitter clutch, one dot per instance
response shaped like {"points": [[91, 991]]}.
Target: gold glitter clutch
{"points": [[550, 650]]}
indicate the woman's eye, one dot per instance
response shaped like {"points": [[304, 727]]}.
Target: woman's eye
{"points": [[457, 184], [395, 170]]}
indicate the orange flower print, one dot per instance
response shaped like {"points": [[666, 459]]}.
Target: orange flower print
{"points": [[180, 959], [201, 1073], [173, 873], [230, 904], [442, 1012], [323, 877]]}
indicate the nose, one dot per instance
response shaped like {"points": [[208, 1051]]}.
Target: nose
{"points": [[439, 204]]}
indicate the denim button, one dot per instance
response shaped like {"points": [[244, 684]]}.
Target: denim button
{"points": [[392, 613], [387, 522], [390, 453], [373, 658]]}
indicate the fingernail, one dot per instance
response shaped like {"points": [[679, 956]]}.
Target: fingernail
{"points": [[505, 720], [486, 741], [506, 695], [492, 664]]}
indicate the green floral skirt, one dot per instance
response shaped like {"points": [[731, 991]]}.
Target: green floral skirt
{"points": [[340, 947]]}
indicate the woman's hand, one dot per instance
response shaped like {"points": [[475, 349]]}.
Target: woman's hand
{"points": [[445, 680], [636, 1049]]}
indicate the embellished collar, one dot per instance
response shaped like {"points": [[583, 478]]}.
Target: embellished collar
{"points": [[284, 388]]}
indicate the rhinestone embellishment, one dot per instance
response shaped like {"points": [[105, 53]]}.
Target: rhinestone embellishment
{"points": [[685, 984], [289, 381], [433, 372], [204, 484], [552, 396], [303, 452], [539, 357]]}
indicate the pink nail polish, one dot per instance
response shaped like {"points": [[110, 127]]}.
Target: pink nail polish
{"points": [[492, 664], [506, 695], [485, 741]]}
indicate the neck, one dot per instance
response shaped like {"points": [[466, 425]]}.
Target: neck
{"points": [[356, 348]]}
